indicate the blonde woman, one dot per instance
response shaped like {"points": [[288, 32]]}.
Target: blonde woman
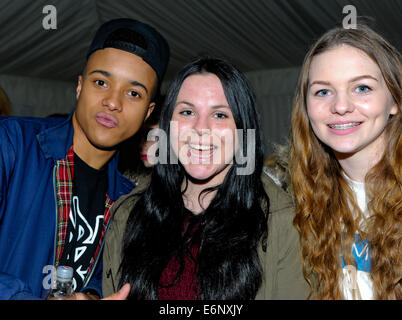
{"points": [[346, 166]]}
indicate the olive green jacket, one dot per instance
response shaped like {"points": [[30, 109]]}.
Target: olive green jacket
{"points": [[282, 269]]}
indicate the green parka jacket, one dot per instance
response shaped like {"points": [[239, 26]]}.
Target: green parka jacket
{"points": [[282, 268]]}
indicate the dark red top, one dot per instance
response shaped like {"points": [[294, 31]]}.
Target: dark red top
{"points": [[185, 287]]}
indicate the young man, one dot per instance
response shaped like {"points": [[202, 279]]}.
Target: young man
{"points": [[59, 178]]}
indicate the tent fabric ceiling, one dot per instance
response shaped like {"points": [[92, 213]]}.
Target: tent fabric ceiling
{"points": [[266, 39], [253, 34]]}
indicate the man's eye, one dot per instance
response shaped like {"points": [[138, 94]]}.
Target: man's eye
{"points": [[100, 83], [134, 94]]}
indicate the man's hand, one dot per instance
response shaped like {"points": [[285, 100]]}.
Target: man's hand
{"points": [[119, 295], [122, 294]]}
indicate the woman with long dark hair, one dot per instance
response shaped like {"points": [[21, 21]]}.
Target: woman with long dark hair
{"points": [[210, 225], [345, 165]]}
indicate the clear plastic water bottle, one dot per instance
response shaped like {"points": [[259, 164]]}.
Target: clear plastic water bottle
{"points": [[63, 286]]}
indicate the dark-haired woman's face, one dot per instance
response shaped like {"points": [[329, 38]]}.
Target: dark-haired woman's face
{"points": [[203, 128]]}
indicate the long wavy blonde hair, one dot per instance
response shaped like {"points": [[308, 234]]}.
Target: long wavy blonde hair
{"points": [[324, 200]]}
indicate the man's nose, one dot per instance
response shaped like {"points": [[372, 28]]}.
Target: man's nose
{"points": [[113, 101]]}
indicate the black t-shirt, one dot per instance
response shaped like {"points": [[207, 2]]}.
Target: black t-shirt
{"points": [[86, 219]]}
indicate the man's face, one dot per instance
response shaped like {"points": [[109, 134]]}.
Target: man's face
{"points": [[114, 98]]}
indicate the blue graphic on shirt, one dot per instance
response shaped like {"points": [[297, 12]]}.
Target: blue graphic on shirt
{"points": [[361, 253]]}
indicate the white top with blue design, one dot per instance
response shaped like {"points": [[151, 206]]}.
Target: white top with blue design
{"points": [[356, 284]]}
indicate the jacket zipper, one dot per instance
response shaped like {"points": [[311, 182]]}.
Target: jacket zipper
{"points": [[57, 215]]}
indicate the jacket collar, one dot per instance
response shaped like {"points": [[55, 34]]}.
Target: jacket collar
{"points": [[57, 140]]}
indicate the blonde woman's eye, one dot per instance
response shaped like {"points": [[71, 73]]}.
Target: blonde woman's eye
{"points": [[363, 89], [322, 93]]}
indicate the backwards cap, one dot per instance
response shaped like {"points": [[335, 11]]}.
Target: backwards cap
{"points": [[137, 38]]}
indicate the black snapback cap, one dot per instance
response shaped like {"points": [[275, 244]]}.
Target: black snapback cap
{"points": [[141, 40]]}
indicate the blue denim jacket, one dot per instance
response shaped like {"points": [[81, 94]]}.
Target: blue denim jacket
{"points": [[29, 149]]}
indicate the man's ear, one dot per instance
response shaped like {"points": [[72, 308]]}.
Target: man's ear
{"points": [[150, 109], [79, 87]]}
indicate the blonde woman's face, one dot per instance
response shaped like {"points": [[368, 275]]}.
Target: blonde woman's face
{"points": [[348, 102]]}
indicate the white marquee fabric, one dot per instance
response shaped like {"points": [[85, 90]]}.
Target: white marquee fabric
{"points": [[266, 39]]}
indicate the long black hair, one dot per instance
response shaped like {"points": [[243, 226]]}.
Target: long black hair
{"points": [[229, 230]]}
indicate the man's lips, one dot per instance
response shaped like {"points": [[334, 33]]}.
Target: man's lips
{"points": [[106, 120]]}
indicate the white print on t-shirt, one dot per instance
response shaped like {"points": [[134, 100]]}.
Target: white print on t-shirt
{"points": [[86, 235], [83, 222]]}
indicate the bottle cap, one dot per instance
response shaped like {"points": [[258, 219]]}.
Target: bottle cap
{"points": [[64, 273]]}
